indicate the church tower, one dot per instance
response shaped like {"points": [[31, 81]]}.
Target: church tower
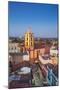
{"points": [[29, 39]]}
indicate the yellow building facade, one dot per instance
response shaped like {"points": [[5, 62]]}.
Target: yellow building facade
{"points": [[29, 40], [29, 45]]}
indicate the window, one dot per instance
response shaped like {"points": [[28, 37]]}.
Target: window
{"points": [[27, 38], [31, 43], [15, 48], [12, 48], [31, 38], [27, 43]]}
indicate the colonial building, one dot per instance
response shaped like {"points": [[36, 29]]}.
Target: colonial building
{"points": [[13, 47], [31, 47], [16, 58], [53, 51]]}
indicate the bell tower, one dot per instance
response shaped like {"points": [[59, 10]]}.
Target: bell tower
{"points": [[29, 39]]}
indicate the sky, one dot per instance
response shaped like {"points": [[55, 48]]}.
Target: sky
{"points": [[42, 18]]}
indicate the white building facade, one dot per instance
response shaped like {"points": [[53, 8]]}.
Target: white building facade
{"points": [[13, 47]]}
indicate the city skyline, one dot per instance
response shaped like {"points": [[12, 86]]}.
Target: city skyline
{"points": [[42, 18]]}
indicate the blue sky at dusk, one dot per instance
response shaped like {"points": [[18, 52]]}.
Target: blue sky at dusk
{"points": [[42, 18]]}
